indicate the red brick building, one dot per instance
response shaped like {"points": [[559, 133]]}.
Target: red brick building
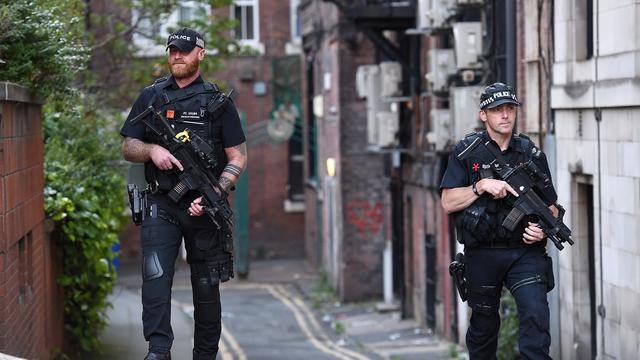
{"points": [[269, 94], [269, 204], [31, 314]]}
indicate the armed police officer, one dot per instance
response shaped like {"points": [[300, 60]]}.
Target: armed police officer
{"points": [[493, 255], [184, 98]]}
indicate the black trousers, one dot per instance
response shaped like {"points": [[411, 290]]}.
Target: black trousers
{"points": [[162, 233], [523, 271]]}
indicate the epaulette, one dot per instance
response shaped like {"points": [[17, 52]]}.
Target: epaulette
{"points": [[161, 79], [473, 133], [525, 145], [471, 137], [158, 81]]}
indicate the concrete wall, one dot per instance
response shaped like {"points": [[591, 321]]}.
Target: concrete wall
{"points": [[31, 323], [352, 203], [609, 81]]}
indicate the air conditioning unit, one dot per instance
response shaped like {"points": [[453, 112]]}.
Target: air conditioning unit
{"points": [[441, 134], [386, 129], [433, 14], [468, 44], [441, 65], [470, 2], [463, 102], [441, 11], [391, 79], [369, 85], [423, 19], [363, 78]]}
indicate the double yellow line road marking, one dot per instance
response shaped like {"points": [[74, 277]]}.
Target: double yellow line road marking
{"points": [[231, 349]]}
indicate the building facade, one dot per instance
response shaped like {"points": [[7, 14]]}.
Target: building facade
{"points": [[268, 86], [268, 199], [346, 191], [595, 99], [574, 65]]}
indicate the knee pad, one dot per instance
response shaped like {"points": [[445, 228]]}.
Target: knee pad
{"points": [[485, 309], [485, 299], [151, 267]]}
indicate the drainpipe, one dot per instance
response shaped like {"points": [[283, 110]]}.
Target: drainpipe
{"points": [[510, 39], [549, 147], [598, 115], [387, 253]]}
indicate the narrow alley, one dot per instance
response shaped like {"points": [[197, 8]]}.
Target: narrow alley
{"points": [[272, 315]]}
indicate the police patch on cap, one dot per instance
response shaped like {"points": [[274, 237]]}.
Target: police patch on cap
{"points": [[497, 94], [185, 39]]}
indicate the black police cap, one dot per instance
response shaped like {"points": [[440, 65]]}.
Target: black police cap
{"points": [[185, 39], [497, 94]]}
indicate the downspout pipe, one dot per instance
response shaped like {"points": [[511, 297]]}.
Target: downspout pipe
{"points": [[598, 116]]}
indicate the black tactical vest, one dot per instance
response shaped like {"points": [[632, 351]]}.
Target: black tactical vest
{"points": [[185, 108], [481, 222]]}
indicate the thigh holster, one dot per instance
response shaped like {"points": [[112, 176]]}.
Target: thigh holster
{"points": [[214, 269]]}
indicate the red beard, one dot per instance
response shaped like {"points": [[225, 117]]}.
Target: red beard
{"points": [[184, 69]]}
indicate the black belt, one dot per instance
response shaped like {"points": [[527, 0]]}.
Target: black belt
{"points": [[502, 243]]}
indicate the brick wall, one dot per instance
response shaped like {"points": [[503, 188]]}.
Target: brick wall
{"points": [[364, 183], [273, 232], [31, 323]]}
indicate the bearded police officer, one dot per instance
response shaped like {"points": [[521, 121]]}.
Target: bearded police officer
{"points": [[183, 98], [493, 255]]}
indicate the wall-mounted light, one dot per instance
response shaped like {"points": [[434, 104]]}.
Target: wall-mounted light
{"points": [[331, 167]]}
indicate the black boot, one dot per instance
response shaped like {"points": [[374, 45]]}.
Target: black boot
{"points": [[198, 356], [156, 356]]}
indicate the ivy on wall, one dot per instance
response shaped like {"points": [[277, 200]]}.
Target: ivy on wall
{"points": [[84, 197]]}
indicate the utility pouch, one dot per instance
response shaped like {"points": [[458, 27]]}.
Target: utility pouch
{"points": [[456, 270], [472, 226], [215, 269], [551, 282], [137, 203], [227, 242]]}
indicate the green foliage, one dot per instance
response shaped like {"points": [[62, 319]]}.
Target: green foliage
{"points": [[84, 197], [134, 69], [508, 338], [39, 49], [322, 292]]}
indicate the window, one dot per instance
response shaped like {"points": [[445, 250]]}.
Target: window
{"points": [[151, 35], [186, 13], [583, 29], [246, 13], [294, 45], [295, 21]]}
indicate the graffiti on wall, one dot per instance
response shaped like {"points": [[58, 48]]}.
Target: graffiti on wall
{"points": [[365, 215]]}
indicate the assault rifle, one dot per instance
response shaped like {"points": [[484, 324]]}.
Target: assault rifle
{"points": [[198, 160], [527, 180]]}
